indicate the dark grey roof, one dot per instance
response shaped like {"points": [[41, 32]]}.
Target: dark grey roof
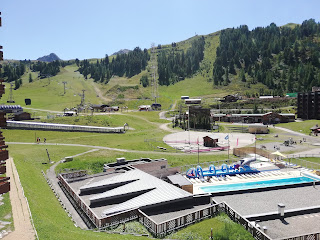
{"points": [[178, 179], [150, 190]]}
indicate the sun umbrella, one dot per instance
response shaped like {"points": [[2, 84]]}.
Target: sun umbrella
{"points": [[279, 154]]}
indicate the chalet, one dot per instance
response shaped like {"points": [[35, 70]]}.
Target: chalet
{"points": [[99, 107], [210, 142], [192, 101], [22, 116], [265, 118], [229, 98]]}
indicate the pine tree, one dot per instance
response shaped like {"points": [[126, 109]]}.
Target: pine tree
{"points": [[30, 78]]}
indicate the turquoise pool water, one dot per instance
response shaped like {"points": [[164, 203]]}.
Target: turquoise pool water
{"points": [[253, 185]]}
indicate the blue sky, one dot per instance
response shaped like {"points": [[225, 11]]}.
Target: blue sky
{"points": [[90, 29]]}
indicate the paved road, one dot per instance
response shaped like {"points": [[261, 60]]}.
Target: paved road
{"points": [[23, 229]]}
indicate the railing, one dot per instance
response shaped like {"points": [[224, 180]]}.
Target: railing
{"points": [[311, 236], [62, 127], [237, 218], [164, 228], [301, 162]]}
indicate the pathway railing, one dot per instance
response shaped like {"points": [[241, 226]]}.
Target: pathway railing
{"points": [[297, 161], [311, 236]]}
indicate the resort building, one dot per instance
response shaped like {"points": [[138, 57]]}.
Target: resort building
{"points": [[265, 118], [309, 105], [108, 198], [4, 155]]}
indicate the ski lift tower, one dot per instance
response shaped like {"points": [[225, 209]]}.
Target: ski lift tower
{"points": [[154, 82], [82, 98], [10, 98]]}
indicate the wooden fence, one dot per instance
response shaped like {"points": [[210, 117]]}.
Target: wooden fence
{"points": [[243, 152]]}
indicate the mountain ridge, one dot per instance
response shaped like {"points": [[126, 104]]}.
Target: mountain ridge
{"points": [[49, 58]]}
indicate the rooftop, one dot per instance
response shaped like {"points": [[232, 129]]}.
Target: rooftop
{"points": [[108, 194], [248, 204]]}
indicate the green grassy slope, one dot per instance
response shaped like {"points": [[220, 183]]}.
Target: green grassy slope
{"points": [[45, 95]]}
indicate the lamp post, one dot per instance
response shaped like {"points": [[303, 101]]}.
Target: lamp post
{"points": [[219, 118], [189, 127]]}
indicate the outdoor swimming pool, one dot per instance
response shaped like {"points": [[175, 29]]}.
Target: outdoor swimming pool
{"points": [[257, 184]]}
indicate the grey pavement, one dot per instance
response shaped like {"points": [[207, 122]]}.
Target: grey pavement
{"points": [[248, 204]]}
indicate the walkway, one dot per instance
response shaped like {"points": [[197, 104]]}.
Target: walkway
{"points": [[23, 229], [111, 149], [52, 176]]}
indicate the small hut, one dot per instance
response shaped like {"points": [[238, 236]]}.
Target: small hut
{"points": [[210, 142]]}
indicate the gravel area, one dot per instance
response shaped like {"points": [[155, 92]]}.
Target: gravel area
{"points": [[180, 140]]}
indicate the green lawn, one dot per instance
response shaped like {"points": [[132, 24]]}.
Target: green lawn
{"points": [[94, 161], [302, 127], [132, 139], [51, 96], [222, 228]]}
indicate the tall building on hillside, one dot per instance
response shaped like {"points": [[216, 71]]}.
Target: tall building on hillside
{"points": [[4, 181], [308, 105]]}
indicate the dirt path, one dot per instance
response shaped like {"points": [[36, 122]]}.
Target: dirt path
{"points": [[99, 93], [166, 127], [23, 229], [173, 107]]}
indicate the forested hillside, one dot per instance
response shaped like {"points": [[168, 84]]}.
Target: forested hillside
{"points": [[285, 59], [129, 64], [13, 71], [174, 65]]}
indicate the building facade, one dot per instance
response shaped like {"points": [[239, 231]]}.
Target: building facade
{"points": [[4, 181], [308, 105]]}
